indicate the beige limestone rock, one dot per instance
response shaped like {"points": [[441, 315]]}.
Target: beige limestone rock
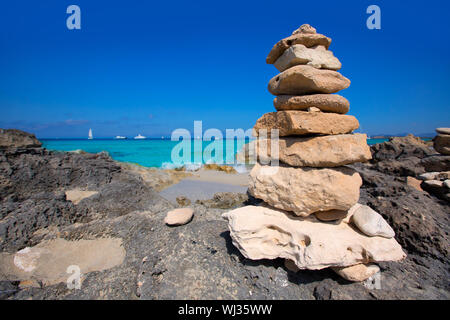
{"points": [[325, 102], [413, 182], [76, 195], [447, 183], [305, 28], [444, 175], [265, 233], [305, 190], [441, 143], [371, 222], [317, 57], [303, 79], [358, 272], [443, 130], [179, 217], [307, 39], [304, 123], [321, 151]]}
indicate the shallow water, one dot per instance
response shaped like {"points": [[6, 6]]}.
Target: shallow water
{"points": [[155, 152]]}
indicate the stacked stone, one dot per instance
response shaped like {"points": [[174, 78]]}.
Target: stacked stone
{"points": [[441, 143], [310, 215]]}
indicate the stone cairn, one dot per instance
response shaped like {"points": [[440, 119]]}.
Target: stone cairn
{"points": [[310, 214], [438, 182]]}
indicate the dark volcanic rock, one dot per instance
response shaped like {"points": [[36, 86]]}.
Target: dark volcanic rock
{"points": [[398, 148], [13, 138], [436, 163]]}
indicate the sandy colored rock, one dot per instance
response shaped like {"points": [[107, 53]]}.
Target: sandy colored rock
{"points": [[305, 190], [179, 217], [332, 215], [265, 233], [371, 222], [317, 57], [321, 151], [301, 80], [447, 183], [325, 102], [77, 195], [444, 175], [441, 143], [443, 130], [413, 182], [305, 123], [305, 28], [358, 272], [307, 39]]}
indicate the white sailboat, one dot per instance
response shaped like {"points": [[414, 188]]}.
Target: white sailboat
{"points": [[90, 135], [140, 137]]}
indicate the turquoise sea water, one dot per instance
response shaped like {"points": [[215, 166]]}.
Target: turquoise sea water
{"points": [[153, 153]]}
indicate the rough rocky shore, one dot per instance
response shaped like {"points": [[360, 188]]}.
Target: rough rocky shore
{"points": [[109, 219]]}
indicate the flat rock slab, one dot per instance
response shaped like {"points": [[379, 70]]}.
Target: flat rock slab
{"points": [[305, 123], [325, 102], [443, 130], [48, 261], [317, 57], [300, 80], [265, 233], [306, 39], [322, 151], [305, 190], [198, 190]]}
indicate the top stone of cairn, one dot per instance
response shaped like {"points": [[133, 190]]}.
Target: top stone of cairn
{"points": [[305, 35]]}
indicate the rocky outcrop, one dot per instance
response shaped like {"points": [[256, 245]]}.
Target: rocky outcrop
{"points": [[13, 138], [305, 123]]}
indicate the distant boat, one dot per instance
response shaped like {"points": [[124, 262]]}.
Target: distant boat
{"points": [[120, 137], [162, 138], [90, 135], [140, 137]]}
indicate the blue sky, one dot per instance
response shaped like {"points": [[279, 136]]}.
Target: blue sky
{"points": [[151, 67]]}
